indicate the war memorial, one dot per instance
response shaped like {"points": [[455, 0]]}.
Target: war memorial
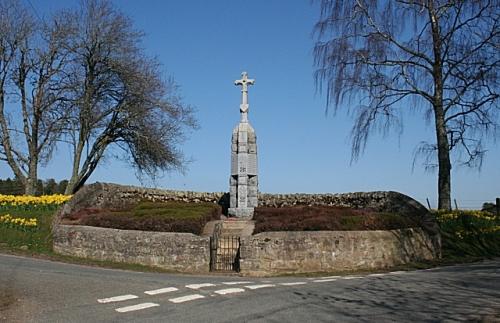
{"points": [[229, 243]]}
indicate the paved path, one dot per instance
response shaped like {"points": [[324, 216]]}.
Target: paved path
{"points": [[33, 290]]}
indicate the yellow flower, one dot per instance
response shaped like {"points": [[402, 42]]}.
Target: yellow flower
{"points": [[16, 200]]}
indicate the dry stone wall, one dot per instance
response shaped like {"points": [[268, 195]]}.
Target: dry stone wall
{"points": [[113, 195]]}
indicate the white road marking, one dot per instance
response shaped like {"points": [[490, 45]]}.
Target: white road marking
{"points": [[136, 307], [293, 284], [324, 280], [259, 286], [186, 298], [161, 291], [266, 281], [351, 277], [117, 298], [397, 272], [376, 275], [328, 277], [198, 286], [229, 291], [236, 283]]}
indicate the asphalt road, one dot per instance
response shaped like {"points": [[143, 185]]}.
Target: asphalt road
{"points": [[33, 290]]}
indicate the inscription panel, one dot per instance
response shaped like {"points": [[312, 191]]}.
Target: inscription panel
{"points": [[234, 164], [242, 196], [242, 164], [252, 164]]}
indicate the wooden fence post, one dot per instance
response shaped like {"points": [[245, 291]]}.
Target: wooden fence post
{"points": [[429, 204], [498, 206]]}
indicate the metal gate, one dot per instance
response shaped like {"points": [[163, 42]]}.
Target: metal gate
{"points": [[224, 253]]}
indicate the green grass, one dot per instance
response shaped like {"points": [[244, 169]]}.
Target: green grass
{"points": [[38, 240], [469, 234]]}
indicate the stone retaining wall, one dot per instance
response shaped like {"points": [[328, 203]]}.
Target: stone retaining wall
{"points": [[271, 253], [267, 253], [183, 252], [261, 254]]}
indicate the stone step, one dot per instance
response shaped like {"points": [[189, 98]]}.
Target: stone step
{"points": [[234, 224], [240, 228]]}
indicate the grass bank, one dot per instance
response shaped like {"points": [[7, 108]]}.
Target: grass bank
{"points": [[327, 218], [150, 216]]}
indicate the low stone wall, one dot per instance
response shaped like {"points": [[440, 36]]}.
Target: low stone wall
{"points": [[182, 252], [271, 253], [261, 254]]}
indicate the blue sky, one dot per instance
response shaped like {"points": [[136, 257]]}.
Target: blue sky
{"points": [[205, 45]]}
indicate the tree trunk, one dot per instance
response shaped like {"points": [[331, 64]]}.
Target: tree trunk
{"points": [[30, 186], [444, 170], [443, 147]]}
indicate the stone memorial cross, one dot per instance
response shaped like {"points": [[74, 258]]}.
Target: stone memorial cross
{"points": [[243, 181]]}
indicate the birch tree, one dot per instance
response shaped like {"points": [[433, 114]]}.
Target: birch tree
{"points": [[440, 57], [32, 66]]}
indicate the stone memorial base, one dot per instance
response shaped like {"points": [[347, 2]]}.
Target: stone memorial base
{"points": [[240, 212]]}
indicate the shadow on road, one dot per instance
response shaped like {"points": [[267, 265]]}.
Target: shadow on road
{"points": [[471, 296]]}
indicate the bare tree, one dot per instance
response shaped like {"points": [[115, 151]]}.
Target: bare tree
{"points": [[32, 61], [119, 98], [439, 56]]}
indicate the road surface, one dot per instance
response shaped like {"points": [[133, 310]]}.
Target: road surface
{"points": [[34, 290]]}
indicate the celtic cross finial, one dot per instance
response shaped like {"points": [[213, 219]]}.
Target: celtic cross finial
{"points": [[244, 82]]}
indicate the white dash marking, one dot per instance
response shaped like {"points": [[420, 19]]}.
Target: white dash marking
{"points": [[117, 298], [186, 298], [161, 291], [229, 291], [324, 280], [328, 277], [397, 272], [198, 286], [259, 286], [376, 275], [236, 283], [351, 277], [136, 307], [293, 284]]}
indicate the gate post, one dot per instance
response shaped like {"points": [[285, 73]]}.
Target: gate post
{"points": [[213, 253]]}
